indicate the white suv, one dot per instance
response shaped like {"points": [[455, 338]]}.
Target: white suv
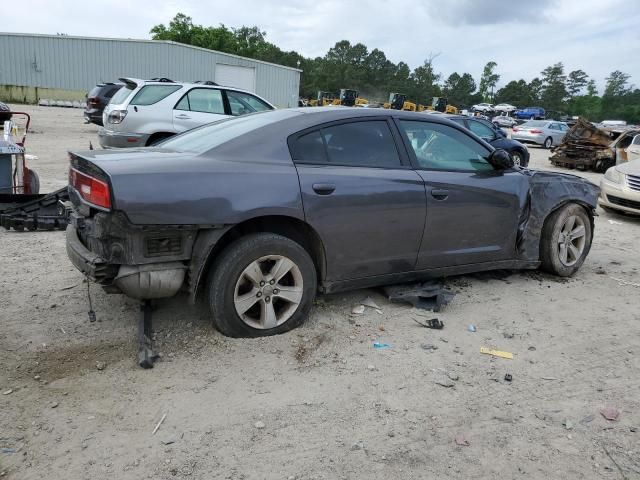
{"points": [[144, 112]]}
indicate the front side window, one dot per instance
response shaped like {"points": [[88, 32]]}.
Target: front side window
{"points": [[150, 94], [440, 147], [205, 100], [243, 103], [636, 140]]}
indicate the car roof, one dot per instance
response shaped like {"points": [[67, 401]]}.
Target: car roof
{"points": [[141, 82]]}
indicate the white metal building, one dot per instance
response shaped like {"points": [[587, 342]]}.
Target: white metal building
{"points": [[69, 63]]}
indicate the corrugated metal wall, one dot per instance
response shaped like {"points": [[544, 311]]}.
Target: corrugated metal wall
{"points": [[78, 63]]}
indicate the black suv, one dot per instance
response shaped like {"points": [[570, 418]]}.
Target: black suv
{"points": [[495, 136], [97, 99]]}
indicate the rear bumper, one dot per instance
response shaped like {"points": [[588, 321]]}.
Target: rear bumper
{"points": [[92, 265], [93, 116], [155, 280], [524, 138], [111, 139]]}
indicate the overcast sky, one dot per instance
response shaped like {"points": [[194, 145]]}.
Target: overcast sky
{"points": [[523, 37]]}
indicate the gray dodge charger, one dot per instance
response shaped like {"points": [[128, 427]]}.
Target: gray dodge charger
{"points": [[259, 213]]}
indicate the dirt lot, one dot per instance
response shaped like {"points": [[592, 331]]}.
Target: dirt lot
{"points": [[319, 402]]}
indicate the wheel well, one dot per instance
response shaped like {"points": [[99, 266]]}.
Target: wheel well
{"points": [[292, 228], [157, 137]]}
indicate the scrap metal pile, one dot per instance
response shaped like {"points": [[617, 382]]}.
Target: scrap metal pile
{"points": [[586, 146]]}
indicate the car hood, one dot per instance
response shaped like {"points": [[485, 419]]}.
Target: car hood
{"points": [[629, 168]]}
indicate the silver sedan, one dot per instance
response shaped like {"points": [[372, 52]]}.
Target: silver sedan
{"points": [[540, 132]]}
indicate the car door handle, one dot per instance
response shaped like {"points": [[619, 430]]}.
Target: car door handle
{"points": [[323, 188], [439, 194], [183, 116]]}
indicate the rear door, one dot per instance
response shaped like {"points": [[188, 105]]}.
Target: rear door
{"points": [[361, 195], [197, 107], [472, 210]]}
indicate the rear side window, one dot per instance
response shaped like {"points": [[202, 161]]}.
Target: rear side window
{"points": [[357, 144], [482, 130], [309, 148], [243, 103], [150, 94], [206, 100], [121, 95]]}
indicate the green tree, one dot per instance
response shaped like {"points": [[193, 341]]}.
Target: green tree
{"points": [[488, 81], [515, 92], [459, 89], [576, 81], [425, 81], [554, 88]]}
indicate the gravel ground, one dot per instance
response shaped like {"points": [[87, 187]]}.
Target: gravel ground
{"points": [[319, 402]]}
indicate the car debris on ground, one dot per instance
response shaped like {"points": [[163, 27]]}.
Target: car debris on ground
{"points": [[430, 295]]}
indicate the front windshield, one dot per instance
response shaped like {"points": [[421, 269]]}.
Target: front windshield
{"points": [[206, 137]]}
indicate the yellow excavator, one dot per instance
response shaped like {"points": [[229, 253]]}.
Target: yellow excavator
{"points": [[398, 101]]}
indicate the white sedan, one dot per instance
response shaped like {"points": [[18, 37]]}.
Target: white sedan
{"points": [[482, 107], [505, 107]]}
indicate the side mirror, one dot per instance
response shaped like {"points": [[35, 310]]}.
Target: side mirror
{"points": [[500, 159]]}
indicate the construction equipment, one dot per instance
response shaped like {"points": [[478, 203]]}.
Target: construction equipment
{"points": [[398, 101], [441, 104], [21, 204], [349, 98], [322, 99]]}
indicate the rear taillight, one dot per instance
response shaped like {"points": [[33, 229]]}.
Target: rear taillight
{"points": [[116, 116], [91, 189], [93, 101], [535, 130], [515, 129]]}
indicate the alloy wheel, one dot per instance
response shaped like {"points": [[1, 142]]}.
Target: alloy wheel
{"points": [[571, 240], [268, 291]]}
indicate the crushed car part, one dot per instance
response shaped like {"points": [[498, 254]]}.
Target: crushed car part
{"points": [[34, 212], [587, 146]]}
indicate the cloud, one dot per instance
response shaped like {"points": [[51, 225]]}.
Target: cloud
{"points": [[491, 12], [522, 36]]}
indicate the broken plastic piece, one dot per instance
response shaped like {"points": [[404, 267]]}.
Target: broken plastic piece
{"points": [[368, 302], [431, 323], [507, 377], [381, 346], [426, 296], [462, 441], [358, 310], [496, 353], [472, 328], [610, 413]]}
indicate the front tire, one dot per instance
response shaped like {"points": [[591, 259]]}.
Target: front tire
{"points": [[518, 158], [566, 240], [263, 284]]}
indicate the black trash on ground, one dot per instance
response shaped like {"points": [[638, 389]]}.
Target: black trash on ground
{"points": [[430, 295]]}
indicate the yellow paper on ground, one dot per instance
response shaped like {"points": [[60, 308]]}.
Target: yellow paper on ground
{"points": [[496, 353]]}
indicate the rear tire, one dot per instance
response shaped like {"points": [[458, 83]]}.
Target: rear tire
{"points": [[548, 142], [34, 182], [566, 240], [246, 297]]}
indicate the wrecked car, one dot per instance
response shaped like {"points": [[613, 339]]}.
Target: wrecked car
{"points": [[259, 213], [587, 146]]}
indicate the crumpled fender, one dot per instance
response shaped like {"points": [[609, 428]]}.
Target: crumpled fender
{"points": [[549, 191]]}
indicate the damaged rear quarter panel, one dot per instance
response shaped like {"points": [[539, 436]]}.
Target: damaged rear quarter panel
{"points": [[548, 192]]}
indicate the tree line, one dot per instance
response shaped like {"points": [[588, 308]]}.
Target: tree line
{"points": [[375, 76]]}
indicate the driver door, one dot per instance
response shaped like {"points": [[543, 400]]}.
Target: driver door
{"points": [[473, 210]]}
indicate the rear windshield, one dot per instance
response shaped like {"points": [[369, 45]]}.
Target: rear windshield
{"points": [[535, 123], [121, 95], [203, 139], [150, 94]]}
